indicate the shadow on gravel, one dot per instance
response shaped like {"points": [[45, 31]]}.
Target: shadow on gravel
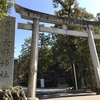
{"points": [[64, 94]]}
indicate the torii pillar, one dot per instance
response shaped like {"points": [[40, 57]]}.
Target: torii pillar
{"points": [[94, 57], [32, 81]]}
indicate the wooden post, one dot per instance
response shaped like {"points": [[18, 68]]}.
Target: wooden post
{"points": [[75, 76]]}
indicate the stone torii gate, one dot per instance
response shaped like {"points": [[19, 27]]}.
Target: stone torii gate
{"points": [[37, 17]]}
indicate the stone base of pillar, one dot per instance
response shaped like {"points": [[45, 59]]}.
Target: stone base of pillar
{"points": [[32, 98], [98, 90]]}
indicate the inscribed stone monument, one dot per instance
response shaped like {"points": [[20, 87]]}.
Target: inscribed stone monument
{"points": [[7, 34]]}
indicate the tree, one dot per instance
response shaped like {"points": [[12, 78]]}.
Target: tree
{"points": [[75, 49], [5, 7], [24, 61], [44, 60], [45, 54], [71, 9]]}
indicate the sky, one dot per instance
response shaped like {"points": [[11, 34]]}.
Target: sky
{"points": [[92, 6]]}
